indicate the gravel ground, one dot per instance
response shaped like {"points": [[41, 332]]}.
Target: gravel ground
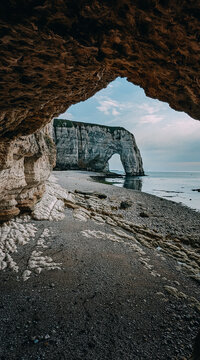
{"points": [[114, 298], [165, 216]]}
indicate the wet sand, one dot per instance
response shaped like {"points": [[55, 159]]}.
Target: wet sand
{"points": [[123, 281]]}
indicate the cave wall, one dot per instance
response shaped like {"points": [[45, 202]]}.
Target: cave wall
{"points": [[26, 163], [57, 53], [86, 146]]}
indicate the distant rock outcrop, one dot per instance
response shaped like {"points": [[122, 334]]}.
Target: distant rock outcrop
{"points": [[58, 53], [90, 146]]}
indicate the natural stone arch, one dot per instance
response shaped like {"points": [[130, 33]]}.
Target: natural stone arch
{"points": [[58, 53], [128, 154], [90, 146]]}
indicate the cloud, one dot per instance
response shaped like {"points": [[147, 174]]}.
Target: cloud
{"points": [[184, 128], [163, 135], [149, 109], [151, 114], [107, 105], [177, 138], [186, 163], [151, 119], [115, 112], [110, 106]]}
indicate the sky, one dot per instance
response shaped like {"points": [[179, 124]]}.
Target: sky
{"points": [[168, 140]]}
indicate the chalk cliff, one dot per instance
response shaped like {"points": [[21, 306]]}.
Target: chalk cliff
{"points": [[26, 163], [58, 53], [89, 146]]}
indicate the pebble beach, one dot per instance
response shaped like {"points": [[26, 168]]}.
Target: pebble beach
{"points": [[116, 277]]}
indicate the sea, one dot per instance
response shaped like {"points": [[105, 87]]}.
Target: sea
{"points": [[176, 186]]}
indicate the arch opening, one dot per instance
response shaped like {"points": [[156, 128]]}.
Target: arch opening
{"points": [[64, 52], [115, 164]]}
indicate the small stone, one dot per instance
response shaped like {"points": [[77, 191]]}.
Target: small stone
{"points": [[176, 283], [125, 204], [101, 196], [35, 339], [144, 214]]}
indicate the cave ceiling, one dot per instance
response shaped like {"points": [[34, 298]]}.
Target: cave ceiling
{"points": [[57, 53]]}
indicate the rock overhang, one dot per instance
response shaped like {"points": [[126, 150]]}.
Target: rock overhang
{"points": [[54, 54], [57, 53]]}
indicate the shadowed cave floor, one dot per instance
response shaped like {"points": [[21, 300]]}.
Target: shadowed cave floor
{"points": [[104, 303]]}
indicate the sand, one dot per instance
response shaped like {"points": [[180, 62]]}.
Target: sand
{"points": [[103, 282]]}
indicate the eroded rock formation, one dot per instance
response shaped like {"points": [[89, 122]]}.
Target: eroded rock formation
{"points": [[26, 163], [57, 53], [90, 146]]}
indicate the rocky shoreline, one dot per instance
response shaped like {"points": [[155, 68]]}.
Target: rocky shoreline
{"points": [[113, 275]]}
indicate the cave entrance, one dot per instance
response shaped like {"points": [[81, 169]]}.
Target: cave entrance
{"points": [[115, 164], [166, 138]]}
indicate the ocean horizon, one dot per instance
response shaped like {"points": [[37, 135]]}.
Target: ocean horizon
{"points": [[177, 186]]}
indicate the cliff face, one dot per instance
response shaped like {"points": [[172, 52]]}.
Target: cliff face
{"points": [[27, 163], [57, 53], [90, 146]]}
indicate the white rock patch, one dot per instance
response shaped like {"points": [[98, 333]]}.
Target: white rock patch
{"points": [[17, 233], [122, 238], [38, 261], [13, 234], [52, 204]]}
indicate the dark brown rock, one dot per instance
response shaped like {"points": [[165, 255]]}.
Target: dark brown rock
{"points": [[54, 54], [125, 204], [57, 53], [144, 214]]}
